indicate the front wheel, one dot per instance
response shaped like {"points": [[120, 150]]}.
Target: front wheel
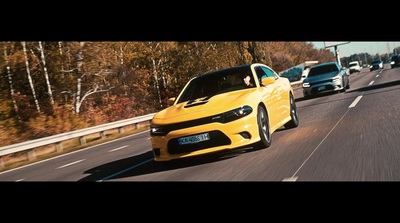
{"points": [[263, 127]]}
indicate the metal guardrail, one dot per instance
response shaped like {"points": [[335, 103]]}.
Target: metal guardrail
{"points": [[81, 133]]}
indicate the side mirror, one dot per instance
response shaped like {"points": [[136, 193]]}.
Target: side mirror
{"points": [[171, 101], [268, 81]]}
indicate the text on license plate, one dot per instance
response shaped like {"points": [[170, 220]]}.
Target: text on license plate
{"points": [[194, 139], [321, 88]]}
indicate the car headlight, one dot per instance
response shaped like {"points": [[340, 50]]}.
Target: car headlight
{"points": [[392, 62], [337, 80], [306, 85], [157, 131], [236, 113]]}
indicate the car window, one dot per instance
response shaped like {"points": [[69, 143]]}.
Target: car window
{"points": [[269, 73], [218, 82], [323, 69], [263, 72]]}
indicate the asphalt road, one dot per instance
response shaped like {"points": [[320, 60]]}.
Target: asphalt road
{"points": [[352, 136]]}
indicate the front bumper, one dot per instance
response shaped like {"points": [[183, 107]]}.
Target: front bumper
{"points": [[222, 136], [376, 67], [354, 70], [327, 86]]}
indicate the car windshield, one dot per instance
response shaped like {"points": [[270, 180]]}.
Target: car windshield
{"points": [[218, 82], [322, 69], [375, 61], [352, 64]]}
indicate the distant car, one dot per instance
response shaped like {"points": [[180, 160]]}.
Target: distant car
{"points": [[376, 64], [354, 66], [325, 78], [395, 61]]}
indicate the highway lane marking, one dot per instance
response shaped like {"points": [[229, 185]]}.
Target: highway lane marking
{"points": [[69, 164], [20, 180], [352, 105], [116, 149], [377, 75], [355, 101], [123, 171], [77, 151], [370, 83], [323, 140], [290, 179]]}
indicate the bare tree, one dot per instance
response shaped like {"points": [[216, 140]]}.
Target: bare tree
{"points": [[28, 71], [155, 70], [10, 81], [96, 87], [46, 74]]}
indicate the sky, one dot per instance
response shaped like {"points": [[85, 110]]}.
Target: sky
{"points": [[361, 47]]}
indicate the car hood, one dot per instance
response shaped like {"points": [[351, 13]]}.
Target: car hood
{"points": [[321, 77], [201, 107]]}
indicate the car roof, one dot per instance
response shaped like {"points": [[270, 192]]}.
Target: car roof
{"points": [[226, 69], [324, 64]]}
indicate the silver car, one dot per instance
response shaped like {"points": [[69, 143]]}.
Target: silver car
{"points": [[325, 78]]}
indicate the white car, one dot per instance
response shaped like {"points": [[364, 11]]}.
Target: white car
{"points": [[354, 66]]}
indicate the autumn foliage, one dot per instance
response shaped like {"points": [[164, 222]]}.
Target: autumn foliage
{"points": [[82, 84]]}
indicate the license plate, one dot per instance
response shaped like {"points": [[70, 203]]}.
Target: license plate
{"points": [[321, 88], [194, 139]]}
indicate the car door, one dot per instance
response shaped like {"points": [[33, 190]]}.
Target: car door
{"points": [[271, 95], [283, 88]]}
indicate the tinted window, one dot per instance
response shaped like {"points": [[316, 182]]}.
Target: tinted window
{"points": [[263, 72], [322, 69], [217, 83], [269, 72]]}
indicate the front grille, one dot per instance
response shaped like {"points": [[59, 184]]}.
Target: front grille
{"points": [[320, 82], [327, 88], [217, 138]]}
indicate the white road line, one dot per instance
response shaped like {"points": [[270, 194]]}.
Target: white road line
{"points": [[370, 83], [355, 101], [20, 180], [76, 151], [69, 164], [377, 75], [290, 179], [323, 140], [118, 148]]}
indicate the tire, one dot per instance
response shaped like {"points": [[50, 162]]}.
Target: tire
{"points": [[294, 122], [263, 127], [344, 87]]}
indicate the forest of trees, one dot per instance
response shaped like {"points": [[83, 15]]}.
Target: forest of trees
{"points": [[47, 88]]}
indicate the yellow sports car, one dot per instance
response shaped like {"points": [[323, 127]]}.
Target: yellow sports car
{"points": [[224, 109]]}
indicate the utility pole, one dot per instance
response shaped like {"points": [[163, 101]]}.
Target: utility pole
{"points": [[337, 55], [335, 44]]}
